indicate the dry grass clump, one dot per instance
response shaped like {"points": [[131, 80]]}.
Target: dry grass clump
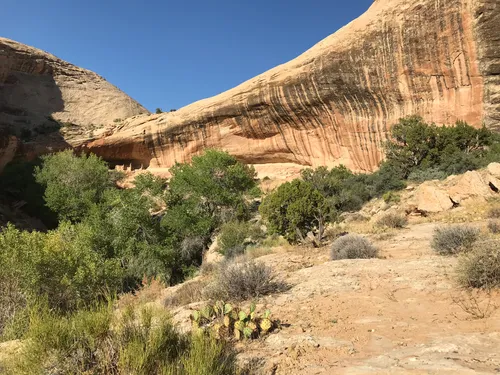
{"points": [[480, 267], [494, 212], [238, 280], [187, 293], [392, 220], [454, 239], [352, 246], [150, 291], [494, 226]]}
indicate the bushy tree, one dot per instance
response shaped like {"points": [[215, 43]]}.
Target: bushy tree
{"points": [[73, 184], [416, 146], [215, 179], [59, 265], [295, 208], [151, 184], [202, 195]]}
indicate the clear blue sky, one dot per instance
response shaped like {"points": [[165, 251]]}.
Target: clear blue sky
{"points": [[170, 53]]}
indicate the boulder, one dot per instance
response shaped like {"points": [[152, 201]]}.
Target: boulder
{"points": [[494, 169], [431, 198], [470, 184]]}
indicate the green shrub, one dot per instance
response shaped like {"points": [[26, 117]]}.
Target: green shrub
{"points": [[494, 226], [421, 151], [242, 280], [158, 111], [454, 239], [480, 267], [96, 341], [429, 174], [147, 182], [234, 237], [391, 197], [392, 220], [58, 265], [73, 184], [294, 209], [352, 246]]}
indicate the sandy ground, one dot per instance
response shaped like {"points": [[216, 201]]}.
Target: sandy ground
{"points": [[396, 315]]}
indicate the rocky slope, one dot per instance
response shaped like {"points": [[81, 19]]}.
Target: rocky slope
{"points": [[39, 91], [335, 103], [402, 313]]}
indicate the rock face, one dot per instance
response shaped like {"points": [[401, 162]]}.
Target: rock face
{"points": [[37, 90], [335, 103]]}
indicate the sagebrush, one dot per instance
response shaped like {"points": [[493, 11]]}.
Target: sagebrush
{"points": [[392, 220], [480, 267], [454, 239], [353, 246], [241, 280]]}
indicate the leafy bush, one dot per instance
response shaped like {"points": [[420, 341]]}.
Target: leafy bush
{"points": [[494, 226], [454, 239], [58, 265], [480, 267], [352, 246], [241, 280], [296, 208], [392, 220], [234, 237], [73, 184], [391, 197], [158, 111], [96, 342], [421, 151], [421, 175], [149, 183]]}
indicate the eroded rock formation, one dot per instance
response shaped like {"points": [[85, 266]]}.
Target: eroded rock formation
{"points": [[37, 90], [335, 103]]}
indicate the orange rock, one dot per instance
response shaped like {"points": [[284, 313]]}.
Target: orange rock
{"points": [[431, 198], [335, 103]]}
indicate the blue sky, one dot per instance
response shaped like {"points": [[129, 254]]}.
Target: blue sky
{"points": [[171, 53]]}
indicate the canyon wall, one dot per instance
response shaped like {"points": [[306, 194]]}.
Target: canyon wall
{"points": [[336, 102], [39, 92]]}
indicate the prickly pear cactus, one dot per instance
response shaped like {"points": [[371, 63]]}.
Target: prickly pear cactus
{"points": [[247, 332], [227, 321], [242, 316], [207, 312], [265, 325], [239, 325], [223, 320]]}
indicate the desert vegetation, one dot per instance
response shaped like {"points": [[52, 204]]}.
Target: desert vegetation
{"points": [[454, 239], [352, 246], [59, 287], [415, 151]]}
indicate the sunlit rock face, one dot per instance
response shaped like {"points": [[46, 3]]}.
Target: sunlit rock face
{"points": [[38, 89], [335, 103]]}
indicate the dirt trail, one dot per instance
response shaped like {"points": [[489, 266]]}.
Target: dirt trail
{"points": [[382, 316]]}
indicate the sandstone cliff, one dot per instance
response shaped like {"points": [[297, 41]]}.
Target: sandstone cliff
{"points": [[335, 103], [38, 92]]}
